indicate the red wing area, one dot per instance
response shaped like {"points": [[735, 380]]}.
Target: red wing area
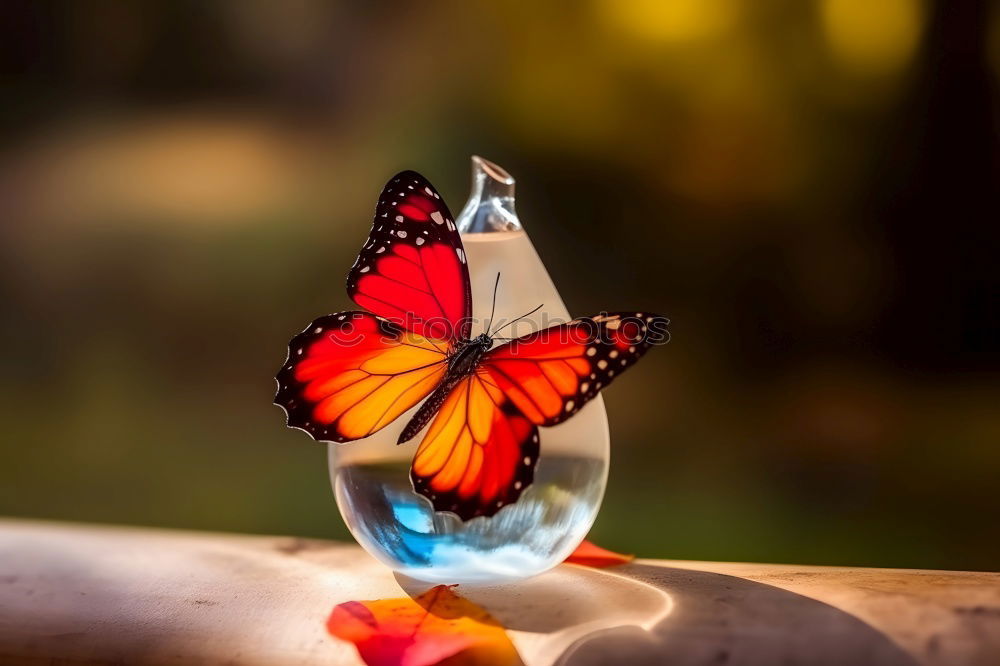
{"points": [[549, 375], [352, 373], [412, 269], [479, 453]]}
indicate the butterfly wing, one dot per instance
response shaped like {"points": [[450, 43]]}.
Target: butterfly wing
{"points": [[479, 452], [551, 374], [351, 373], [412, 269]]}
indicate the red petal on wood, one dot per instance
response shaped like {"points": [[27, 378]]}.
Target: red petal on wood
{"points": [[590, 555], [423, 631]]}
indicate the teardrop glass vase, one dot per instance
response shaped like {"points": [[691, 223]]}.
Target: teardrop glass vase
{"points": [[371, 476]]}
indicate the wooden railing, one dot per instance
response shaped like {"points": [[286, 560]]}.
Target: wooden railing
{"points": [[105, 595]]}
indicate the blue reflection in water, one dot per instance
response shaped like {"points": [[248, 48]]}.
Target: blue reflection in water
{"points": [[401, 528]]}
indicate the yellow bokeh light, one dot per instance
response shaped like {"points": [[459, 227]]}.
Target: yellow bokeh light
{"points": [[993, 39], [873, 38], [670, 21]]}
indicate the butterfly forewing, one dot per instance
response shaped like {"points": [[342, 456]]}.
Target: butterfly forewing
{"points": [[412, 269], [350, 374], [549, 375]]}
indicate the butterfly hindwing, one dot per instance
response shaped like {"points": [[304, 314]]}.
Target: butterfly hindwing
{"points": [[412, 269], [479, 453], [350, 374], [549, 375]]}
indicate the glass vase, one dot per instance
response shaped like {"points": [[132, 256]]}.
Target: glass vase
{"points": [[371, 476]]}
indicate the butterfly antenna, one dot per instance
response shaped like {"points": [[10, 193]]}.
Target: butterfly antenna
{"points": [[494, 308], [514, 321]]}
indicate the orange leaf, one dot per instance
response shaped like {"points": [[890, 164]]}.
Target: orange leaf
{"points": [[423, 631], [590, 555]]}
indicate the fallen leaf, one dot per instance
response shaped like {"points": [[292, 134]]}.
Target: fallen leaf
{"points": [[590, 555], [424, 631]]}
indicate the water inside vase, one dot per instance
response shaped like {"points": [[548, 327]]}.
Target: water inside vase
{"points": [[402, 530]]}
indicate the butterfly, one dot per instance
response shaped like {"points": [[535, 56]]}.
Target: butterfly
{"points": [[352, 373]]}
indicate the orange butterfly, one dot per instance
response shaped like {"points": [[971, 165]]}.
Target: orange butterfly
{"points": [[352, 373]]}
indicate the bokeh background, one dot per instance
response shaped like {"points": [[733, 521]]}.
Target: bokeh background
{"points": [[808, 189]]}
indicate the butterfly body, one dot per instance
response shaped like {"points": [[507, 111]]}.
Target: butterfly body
{"points": [[462, 363], [352, 373], [468, 355]]}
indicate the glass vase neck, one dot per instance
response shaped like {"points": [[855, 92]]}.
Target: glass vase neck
{"points": [[490, 206]]}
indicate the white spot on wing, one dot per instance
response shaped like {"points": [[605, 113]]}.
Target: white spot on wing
{"points": [[461, 254], [437, 217]]}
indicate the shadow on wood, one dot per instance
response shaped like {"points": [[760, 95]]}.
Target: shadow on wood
{"points": [[720, 619]]}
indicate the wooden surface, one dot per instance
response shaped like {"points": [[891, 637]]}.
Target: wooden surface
{"points": [[89, 594]]}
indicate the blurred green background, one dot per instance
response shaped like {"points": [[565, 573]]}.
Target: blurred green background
{"points": [[808, 189]]}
